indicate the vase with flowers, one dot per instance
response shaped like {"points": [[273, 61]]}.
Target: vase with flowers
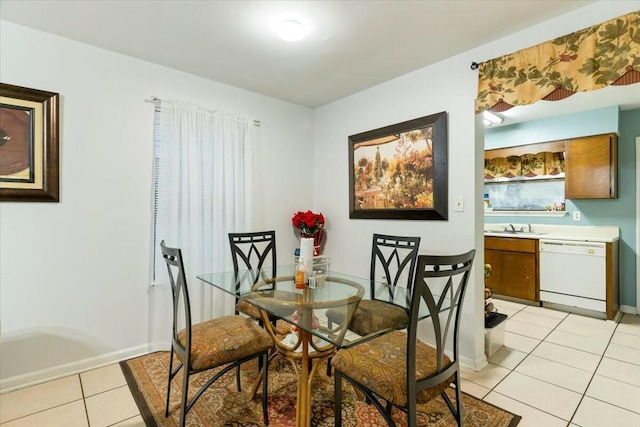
{"points": [[310, 225]]}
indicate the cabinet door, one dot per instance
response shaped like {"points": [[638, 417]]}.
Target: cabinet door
{"points": [[519, 275], [495, 259], [591, 167]]}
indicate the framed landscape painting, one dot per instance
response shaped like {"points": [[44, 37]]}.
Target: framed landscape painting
{"points": [[29, 162], [400, 171]]}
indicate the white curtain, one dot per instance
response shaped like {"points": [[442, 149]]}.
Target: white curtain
{"points": [[202, 191]]}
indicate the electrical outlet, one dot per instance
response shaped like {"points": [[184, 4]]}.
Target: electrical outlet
{"points": [[459, 207], [577, 216]]}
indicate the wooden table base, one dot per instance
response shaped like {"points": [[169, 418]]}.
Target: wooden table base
{"points": [[309, 358]]}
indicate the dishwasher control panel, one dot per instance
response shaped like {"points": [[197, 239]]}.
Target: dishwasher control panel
{"points": [[573, 247]]}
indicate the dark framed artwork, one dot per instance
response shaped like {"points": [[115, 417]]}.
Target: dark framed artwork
{"points": [[400, 171], [29, 151]]}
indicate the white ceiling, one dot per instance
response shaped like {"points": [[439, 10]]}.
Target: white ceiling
{"points": [[351, 45]]}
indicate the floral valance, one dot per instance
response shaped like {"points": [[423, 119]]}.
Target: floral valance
{"points": [[590, 59], [525, 166]]}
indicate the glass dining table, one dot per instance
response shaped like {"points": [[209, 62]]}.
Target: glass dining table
{"points": [[311, 338]]}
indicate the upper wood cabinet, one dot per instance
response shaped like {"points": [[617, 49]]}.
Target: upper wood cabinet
{"points": [[591, 167]]}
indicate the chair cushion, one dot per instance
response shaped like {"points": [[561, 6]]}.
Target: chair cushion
{"points": [[380, 365], [225, 339], [371, 316], [249, 309], [252, 311]]}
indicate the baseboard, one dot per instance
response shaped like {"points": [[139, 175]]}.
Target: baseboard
{"points": [[629, 309], [60, 371], [575, 310], [475, 365]]}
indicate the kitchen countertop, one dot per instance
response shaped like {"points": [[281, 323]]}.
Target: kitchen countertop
{"points": [[556, 232]]}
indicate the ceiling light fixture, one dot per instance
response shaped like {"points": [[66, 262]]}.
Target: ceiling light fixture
{"points": [[290, 30], [491, 118]]}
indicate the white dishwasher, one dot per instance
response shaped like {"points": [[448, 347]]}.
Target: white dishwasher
{"points": [[573, 273]]}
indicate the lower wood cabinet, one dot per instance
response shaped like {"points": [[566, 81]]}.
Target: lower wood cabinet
{"points": [[514, 267]]}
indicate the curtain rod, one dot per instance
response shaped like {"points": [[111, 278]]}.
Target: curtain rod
{"points": [[156, 101]]}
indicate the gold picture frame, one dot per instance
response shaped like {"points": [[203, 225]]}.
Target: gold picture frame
{"points": [[400, 171], [29, 145]]}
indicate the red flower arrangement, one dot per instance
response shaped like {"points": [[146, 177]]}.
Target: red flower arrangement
{"points": [[308, 223]]}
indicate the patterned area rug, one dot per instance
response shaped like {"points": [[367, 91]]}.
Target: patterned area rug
{"points": [[223, 406]]}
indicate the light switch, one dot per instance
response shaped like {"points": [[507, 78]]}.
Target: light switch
{"points": [[459, 207]]}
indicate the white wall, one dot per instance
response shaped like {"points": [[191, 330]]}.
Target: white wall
{"points": [[447, 86], [427, 91], [74, 275]]}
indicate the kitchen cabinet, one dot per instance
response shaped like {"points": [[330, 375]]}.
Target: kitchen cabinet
{"points": [[589, 291], [514, 267], [591, 167]]}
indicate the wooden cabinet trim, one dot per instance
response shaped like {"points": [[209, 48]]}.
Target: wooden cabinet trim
{"points": [[612, 276]]}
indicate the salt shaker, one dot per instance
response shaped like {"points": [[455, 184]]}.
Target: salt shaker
{"points": [[312, 280]]}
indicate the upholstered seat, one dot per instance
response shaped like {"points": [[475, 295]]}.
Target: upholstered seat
{"points": [[372, 316], [280, 327], [248, 309], [223, 340], [381, 366]]}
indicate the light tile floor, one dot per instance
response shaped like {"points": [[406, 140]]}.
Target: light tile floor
{"points": [[561, 369], [556, 369]]}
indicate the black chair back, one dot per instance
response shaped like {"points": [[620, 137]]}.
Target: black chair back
{"points": [[396, 257], [179, 293], [253, 251]]}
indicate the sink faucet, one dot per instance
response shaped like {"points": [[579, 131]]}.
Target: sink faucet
{"points": [[512, 228], [530, 229]]}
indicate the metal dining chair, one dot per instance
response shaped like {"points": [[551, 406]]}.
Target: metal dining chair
{"points": [[224, 342], [252, 252], [393, 260], [397, 370]]}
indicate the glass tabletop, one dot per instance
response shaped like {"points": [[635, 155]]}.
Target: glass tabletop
{"points": [[336, 296]]}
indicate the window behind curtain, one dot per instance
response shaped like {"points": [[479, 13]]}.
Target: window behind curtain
{"points": [[159, 211], [201, 186]]}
